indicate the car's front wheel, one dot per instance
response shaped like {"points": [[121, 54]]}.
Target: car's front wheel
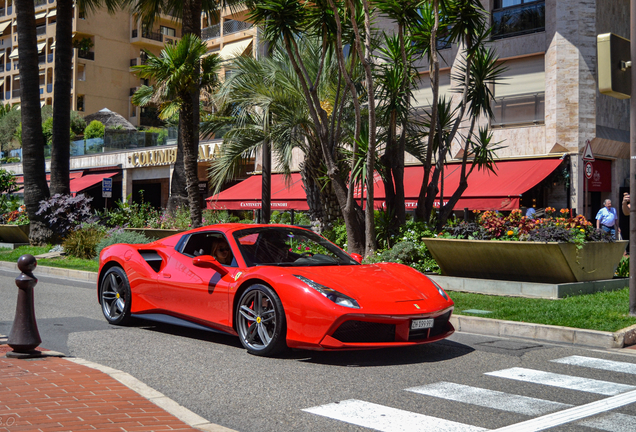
{"points": [[261, 321], [114, 296]]}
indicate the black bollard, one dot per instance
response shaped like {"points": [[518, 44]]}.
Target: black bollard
{"points": [[24, 336]]}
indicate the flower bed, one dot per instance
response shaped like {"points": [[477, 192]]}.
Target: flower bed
{"points": [[550, 250]]}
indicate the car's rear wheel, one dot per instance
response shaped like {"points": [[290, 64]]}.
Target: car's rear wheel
{"points": [[260, 319], [114, 296]]}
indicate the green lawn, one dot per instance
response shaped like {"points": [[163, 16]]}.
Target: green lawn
{"points": [[605, 311], [12, 255]]}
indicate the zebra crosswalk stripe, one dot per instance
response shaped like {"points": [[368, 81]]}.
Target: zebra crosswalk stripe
{"points": [[563, 381], [611, 422], [571, 414], [387, 419], [489, 398], [596, 363]]}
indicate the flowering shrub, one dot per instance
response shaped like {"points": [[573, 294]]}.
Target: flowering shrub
{"points": [[65, 212], [491, 225], [16, 217]]}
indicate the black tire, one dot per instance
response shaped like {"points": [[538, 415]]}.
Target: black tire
{"points": [[261, 329], [114, 296]]}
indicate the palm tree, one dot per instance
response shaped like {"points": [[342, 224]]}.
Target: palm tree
{"points": [[289, 21], [35, 187], [60, 149], [178, 72], [189, 13], [269, 88]]}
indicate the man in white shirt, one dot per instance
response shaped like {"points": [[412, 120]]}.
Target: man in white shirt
{"points": [[607, 219]]}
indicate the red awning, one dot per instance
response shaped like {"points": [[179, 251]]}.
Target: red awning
{"points": [[500, 190], [81, 183], [486, 190], [247, 195]]}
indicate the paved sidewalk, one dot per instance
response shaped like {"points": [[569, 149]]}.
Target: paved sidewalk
{"points": [[51, 394]]}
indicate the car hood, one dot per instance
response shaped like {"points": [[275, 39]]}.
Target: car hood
{"points": [[372, 282]]}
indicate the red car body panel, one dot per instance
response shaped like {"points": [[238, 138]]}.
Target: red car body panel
{"points": [[390, 295]]}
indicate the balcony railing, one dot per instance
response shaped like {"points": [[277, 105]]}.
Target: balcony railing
{"points": [[138, 61], [16, 65], [514, 21], [156, 36], [232, 26], [211, 32], [16, 93], [2, 68], [40, 3], [49, 58], [42, 58], [3, 12], [40, 30], [88, 55], [519, 109]]}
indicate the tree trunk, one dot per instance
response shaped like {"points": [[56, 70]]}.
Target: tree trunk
{"points": [[190, 115], [266, 178], [178, 191], [35, 187], [60, 151]]}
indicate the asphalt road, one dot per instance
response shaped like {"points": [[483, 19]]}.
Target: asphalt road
{"points": [[213, 376]]}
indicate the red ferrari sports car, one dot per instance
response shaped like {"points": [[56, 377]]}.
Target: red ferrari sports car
{"points": [[275, 286]]}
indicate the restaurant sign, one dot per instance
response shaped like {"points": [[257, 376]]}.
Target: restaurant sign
{"points": [[168, 156]]}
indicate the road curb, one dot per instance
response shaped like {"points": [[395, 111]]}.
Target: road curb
{"points": [[158, 398], [80, 275], [546, 333]]}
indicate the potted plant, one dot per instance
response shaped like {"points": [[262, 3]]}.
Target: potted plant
{"points": [[558, 248]]}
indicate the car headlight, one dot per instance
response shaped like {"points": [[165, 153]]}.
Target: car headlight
{"points": [[440, 290], [333, 295]]}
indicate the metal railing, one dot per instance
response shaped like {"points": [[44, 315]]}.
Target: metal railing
{"points": [[16, 93], [2, 68], [40, 3], [233, 26], [211, 32], [42, 58], [88, 55], [517, 20], [152, 35], [40, 30], [3, 12]]}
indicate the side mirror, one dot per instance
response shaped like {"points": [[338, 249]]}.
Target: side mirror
{"points": [[357, 257], [207, 261]]}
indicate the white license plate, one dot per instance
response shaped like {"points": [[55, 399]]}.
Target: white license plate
{"points": [[422, 324]]}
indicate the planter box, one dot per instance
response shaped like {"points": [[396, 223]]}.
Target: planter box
{"points": [[526, 261], [14, 233], [155, 233]]}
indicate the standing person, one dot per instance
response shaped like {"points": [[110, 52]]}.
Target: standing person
{"points": [[607, 219]]}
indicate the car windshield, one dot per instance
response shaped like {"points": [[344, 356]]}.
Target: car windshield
{"points": [[281, 246]]}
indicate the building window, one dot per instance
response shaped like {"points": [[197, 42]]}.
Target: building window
{"points": [[80, 102], [520, 92], [516, 17], [519, 110], [168, 31]]}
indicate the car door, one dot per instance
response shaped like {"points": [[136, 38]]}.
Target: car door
{"points": [[198, 294]]}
